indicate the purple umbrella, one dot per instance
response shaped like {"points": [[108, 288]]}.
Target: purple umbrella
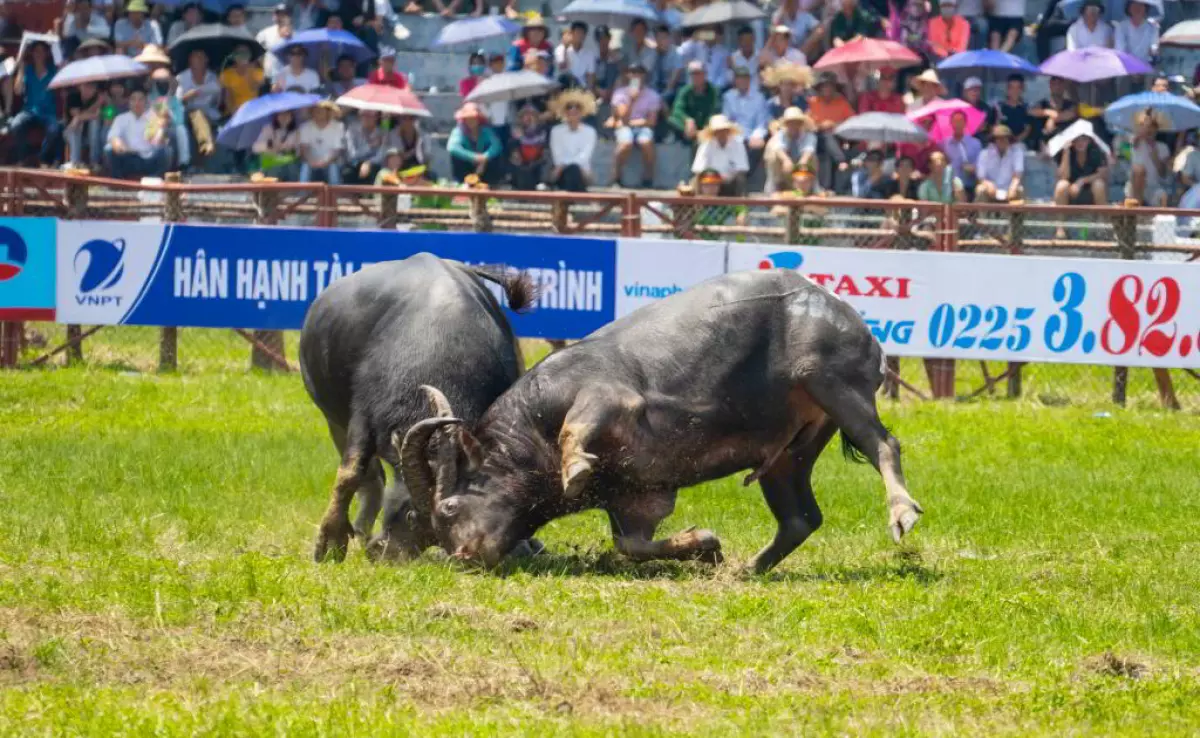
{"points": [[325, 42], [1093, 64], [470, 30], [243, 128]]}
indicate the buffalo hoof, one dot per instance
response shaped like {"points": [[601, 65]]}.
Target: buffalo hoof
{"points": [[903, 518], [577, 474], [332, 541], [527, 549], [707, 547]]}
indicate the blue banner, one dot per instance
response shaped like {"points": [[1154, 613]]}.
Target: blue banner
{"points": [[27, 268]]}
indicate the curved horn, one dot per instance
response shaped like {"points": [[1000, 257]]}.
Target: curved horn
{"points": [[414, 462], [437, 402]]}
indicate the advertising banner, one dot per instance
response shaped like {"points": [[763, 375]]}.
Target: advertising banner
{"points": [[1027, 308], [649, 270], [265, 278], [27, 268]]}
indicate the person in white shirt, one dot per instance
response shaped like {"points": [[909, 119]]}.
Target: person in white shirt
{"points": [[322, 142], [84, 23], [1000, 168], [572, 141], [1137, 34], [779, 49], [197, 88], [296, 75], [1151, 161], [138, 145], [575, 59], [274, 35], [1090, 29], [723, 151]]}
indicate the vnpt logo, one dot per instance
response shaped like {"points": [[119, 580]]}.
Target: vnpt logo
{"points": [[782, 260], [13, 254], [99, 264]]}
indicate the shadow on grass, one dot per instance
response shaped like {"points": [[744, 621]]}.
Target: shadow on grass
{"points": [[902, 565]]}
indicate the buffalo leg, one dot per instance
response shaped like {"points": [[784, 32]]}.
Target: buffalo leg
{"points": [[593, 414], [634, 521], [787, 487], [334, 534], [370, 500]]}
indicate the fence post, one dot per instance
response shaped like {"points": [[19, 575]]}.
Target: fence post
{"points": [[168, 336], [560, 213], [631, 225], [77, 205], [794, 223], [1016, 230], [10, 343], [268, 345], [388, 209], [941, 371], [1125, 229], [481, 219]]}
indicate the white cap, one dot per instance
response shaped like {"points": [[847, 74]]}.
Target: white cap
{"points": [[972, 83]]}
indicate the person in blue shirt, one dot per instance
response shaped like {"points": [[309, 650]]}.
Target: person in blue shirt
{"points": [[39, 106], [474, 147], [746, 106]]}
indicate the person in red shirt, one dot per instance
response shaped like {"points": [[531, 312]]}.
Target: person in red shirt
{"points": [[884, 98], [386, 73], [476, 69]]}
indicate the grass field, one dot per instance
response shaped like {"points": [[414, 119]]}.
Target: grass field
{"points": [[155, 579]]}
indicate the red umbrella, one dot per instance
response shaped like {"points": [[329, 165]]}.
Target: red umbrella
{"points": [[384, 99], [942, 111], [871, 53]]}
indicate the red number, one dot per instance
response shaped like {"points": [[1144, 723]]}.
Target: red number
{"points": [[1162, 302], [1124, 315]]}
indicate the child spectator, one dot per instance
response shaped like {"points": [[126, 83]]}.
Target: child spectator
{"points": [[793, 147], [1090, 30], [530, 149], [634, 117], [474, 148], [296, 76], [572, 142], [1137, 34], [85, 124], [322, 144], [949, 33], [241, 81], [278, 148], [38, 107], [1000, 169], [138, 145], [135, 30], [695, 104], [722, 150]]}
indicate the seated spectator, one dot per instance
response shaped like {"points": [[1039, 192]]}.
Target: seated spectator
{"points": [[389, 173], [871, 182], [705, 47], [1012, 111], [807, 33], [1150, 161], [407, 136], [1006, 23], [608, 64], [366, 142], [240, 81], [941, 185], [85, 125], [639, 49], [92, 47], [322, 144], [135, 30], [828, 108], [927, 87], [309, 14], [533, 38], [695, 104], [1090, 30], [962, 151], [906, 181], [1187, 166], [949, 32], [154, 57], [747, 108], [1000, 169], [884, 98], [634, 117], [777, 49], [1137, 34], [744, 54], [83, 23], [278, 148], [38, 108], [852, 22], [138, 144], [274, 35], [200, 93], [792, 148], [791, 82], [973, 94], [296, 76], [385, 73], [908, 24], [1082, 174], [668, 68], [572, 142], [344, 78], [235, 18], [476, 71], [1055, 112], [722, 150], [576, 59], [530, 149], [919, 152], [474, 148], [160, 97]]}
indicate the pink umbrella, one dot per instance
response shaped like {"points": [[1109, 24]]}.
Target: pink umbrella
{"points": [[935, 117], [871, 53], [384, 99]]}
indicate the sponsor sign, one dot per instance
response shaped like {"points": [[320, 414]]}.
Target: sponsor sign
{"points": [[27, 268], [974, 306], [649, 270]]}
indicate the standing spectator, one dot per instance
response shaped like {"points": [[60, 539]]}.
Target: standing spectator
{"points": [[747, 108], [1000, 169], [273, 35], [668, 65], [572, 142], [386, 73], [722, 150], [189, 18], [476, 70], [343, 78], [790, 81], [296, 75], [161, 99], [408, 138], [792, 148], [1090, 30], [634, 117], [1150, 161], [927, 88], [949, 33], [533, 38], [365, 145], [322, 144], [137, 142], [200, 93], [962, 151], [941, 185], [576, 59], [1055, 112], [639, 49], [135, 30], [474, 148], [38, 108], [850, 23], [828, 108], [801, 24], [1006, 24], [278, 148], [1137, 34], [608, 64], [530, 149], [1082, 175], [705, 47], [241, 81], [84, 23], [884, 98], [84, 124], [871, 182], [778, 49], [745, 56], [695, 104], [1012, 110]]}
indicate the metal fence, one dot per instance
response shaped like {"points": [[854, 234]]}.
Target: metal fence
{"points": [[1093, 232]]}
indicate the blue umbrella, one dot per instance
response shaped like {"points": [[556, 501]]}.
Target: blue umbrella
{"points": [[470, 30], [1175, 113], [980, 62], [213, 6], [243, 128], [610, 12], [324, 42], [1114, 9], [97, 69]]}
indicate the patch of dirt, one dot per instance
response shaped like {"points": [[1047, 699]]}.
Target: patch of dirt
{"points": [[1113, 665]]}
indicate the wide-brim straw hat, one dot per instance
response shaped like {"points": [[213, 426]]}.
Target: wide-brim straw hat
{"points": [[928, 76], [534, 20], [796, 115], [470, 111], [719, 123], [331, 106], [152, 54], [584, 99], [93, 43], [798, 74]]}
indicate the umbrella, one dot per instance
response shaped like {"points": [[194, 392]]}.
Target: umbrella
{"points": [[723, 11], [1178, 113], [324, 42], [882, 127], [986, 63], [384, 99], [97, 69], [1093, 63], [1185, 34], [470, 30], [1072, 132], [511, 86], [610, 12], [1114, 11], [243, 128], [213, 6], [870, 53], [215, 39], [942, 111]]}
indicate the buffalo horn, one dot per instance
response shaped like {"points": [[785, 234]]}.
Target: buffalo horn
{"points": [[414, 462]]}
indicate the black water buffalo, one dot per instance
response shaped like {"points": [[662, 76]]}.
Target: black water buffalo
{"points": [[369, 341], [755, 370]]}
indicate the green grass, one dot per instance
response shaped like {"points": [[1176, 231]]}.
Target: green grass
{"points": [[155, 579]]}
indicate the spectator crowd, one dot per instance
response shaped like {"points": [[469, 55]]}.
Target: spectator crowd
{"points": [[743, 99]]}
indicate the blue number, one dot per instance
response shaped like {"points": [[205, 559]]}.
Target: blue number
{"points": [[998, 317], [1062, 330], [1020, 340], [972, 314], [942, 325]]}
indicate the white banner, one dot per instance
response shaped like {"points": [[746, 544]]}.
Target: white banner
{"points": [[104, 268], [649, 270], [1008, 308]]}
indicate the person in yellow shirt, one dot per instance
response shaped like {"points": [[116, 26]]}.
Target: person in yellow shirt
{"points": [[241, 82]]}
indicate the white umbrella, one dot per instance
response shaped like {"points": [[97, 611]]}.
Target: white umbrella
{"points": [[508, 86], [1072, 132]]}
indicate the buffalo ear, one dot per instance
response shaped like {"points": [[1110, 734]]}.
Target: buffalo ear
{"points": [[470, 448]]}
